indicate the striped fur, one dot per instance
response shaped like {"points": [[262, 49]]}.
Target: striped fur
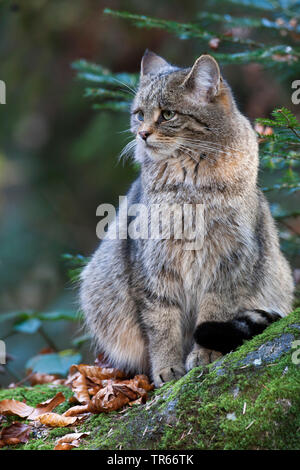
{"points": [[144, 299]]}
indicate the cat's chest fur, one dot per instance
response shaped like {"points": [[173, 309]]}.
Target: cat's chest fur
{"points": [[185, 271], [225, 238]]}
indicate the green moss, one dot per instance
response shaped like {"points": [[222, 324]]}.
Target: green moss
{"points": [[194, 412], [38, 394], [37, 444]]}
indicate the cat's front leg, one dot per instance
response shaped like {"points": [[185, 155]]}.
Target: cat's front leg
{"points": [[200, 356], [210, 309], [163, 327]]}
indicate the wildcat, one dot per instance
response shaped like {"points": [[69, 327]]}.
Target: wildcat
{"points": [[153, 306]]}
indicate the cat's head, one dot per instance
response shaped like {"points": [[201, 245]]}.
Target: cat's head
{"points": [[180, 110]]}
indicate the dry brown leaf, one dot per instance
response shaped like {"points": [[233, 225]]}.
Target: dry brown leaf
{"points": [[93, 390], [69, 441], [142, 381], [56, 420], [47, 406], [97, 389], [15, 407], [9, 442], [108, 399], [14, 434], [101, 389], [71, 377], [139, 401], [76, 410], [64, 446], [101, 373], [40, 379], [18, 408], [94, 382], [134, 388], [127, 390], [80, 389]]}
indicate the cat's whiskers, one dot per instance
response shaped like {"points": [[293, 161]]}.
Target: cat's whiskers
{"points": [[199, 149], [204, 147], [132, 90], [216, 144], [127, 151], [124, 131], [189, 152]]}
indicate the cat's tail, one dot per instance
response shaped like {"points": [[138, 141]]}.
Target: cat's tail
{"points": [[227, 336]]}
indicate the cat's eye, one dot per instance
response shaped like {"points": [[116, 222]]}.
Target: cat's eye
{"points": [[168, 115], [140, 115]]}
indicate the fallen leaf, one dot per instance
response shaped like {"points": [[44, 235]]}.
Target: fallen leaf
{"points": [[142, 381], [108, 399], [101, 373], [80, 389], [15, 407], [56, 420], [126, 390], [64, 446], [18, 408], [105, 389], [94, 390], [69, 441], [40, 379], [16, 433], [47, 406], [76, 410], [139, 401]]}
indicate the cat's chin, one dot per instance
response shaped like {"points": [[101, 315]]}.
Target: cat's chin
{"points": [[157, 154]]}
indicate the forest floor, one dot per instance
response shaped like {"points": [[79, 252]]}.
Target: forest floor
{"points": [[247, 400]]}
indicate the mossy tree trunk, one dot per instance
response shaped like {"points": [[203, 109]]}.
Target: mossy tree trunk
{"points": [[247, 400]]}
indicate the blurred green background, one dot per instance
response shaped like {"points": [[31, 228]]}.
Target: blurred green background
{"points": [[59, 158]]}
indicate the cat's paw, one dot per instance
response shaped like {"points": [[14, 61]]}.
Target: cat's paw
{"points": [[201, 357], [167, 374]]}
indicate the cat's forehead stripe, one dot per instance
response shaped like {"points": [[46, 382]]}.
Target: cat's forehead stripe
{"points": [[153, 93]]}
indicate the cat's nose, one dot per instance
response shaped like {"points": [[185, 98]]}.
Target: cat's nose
{"points": [[144, 134]]}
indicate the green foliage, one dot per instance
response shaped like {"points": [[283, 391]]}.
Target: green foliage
{"points": [[248, 50], [112, 91], [30, 322], [280, 149], [75, 263], [80, 340]]}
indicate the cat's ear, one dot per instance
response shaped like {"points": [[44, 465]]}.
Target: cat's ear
{"points": [[204, 79], [152, 64]]}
